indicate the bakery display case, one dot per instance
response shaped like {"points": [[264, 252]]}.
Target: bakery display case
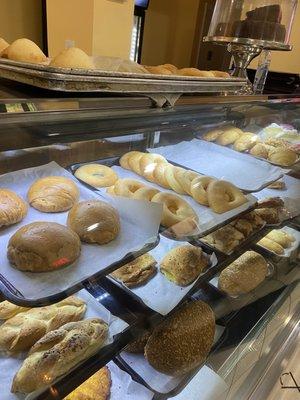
{"points": [[148, 253]]}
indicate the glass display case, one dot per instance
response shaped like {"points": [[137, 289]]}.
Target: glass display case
{"points": [[191, 288]]}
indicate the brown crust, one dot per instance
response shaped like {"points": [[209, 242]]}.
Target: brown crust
{"points": [[12, 208], [270, 215], [224, 239], [138, 345], [270, 202]]}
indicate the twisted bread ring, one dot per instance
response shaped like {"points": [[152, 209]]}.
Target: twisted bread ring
{"points": [[175, 209], [96, 175], [125, 158], [145, 193], [148, 163], [186, 179], [127, 187], [224, 196], [171, 179], [199, 187], [134, 162], [159, 175], [111, 190]]}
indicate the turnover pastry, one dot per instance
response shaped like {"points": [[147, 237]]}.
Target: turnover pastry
{"points": [[12, 208], [244, 274], [281, 237], [271, 245], [53, 194], [224, 196], [224, 239], [183, 264], [136, 272], [282, 156], [27, 51], [94, 221], [43, 246], [97, 175], [72, 58], [58, 352], [182, 341]]}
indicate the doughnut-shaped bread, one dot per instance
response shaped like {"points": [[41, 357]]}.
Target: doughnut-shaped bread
{"points": [[282, 156], [145, 193], [229, 136], [185, 180], [245, 142], [96, 175], [111, 190], [199, 187], [73, 57], [125, 158], [211, 136], [224, 196], [27, 51], [159, 175], [175, 209], [174, 184], [53, 194], [12, 208], [127, 187], [134, 162], [94, 221], [148, 163]]}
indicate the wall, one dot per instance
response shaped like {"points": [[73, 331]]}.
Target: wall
{"points": [[169, 32], [19, 18]]}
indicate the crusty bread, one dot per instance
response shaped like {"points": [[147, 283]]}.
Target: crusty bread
{"points": [[53, 194], [27, 51], [244, 274], [43, 246], [73, 57], [20, 332], [183, 340], [183, 264], [269, 215], [12, 208], [9, 310], [97, 387], [94, 221], [58, 352]]}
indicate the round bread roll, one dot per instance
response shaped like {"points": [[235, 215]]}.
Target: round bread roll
{"points": [[182, 341], [43, 246], [53, 194], [12, 208], [211, 136], [170, 67], [158, 69], [229, 136], [97, 175], [73, 58], [244, 274], [3, 44], [183, 264], [27, 51], [282, 156], [94, 221], [194, 72]]}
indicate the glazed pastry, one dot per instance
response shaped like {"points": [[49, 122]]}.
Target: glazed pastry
{"points": [[58, 352], [211, 136], [199, 187], [282, 156], [182, 341], [43, 246], [281, 237], [245, 142], [9, 310], [229, 136], [224, 196], [270, 215], [73, 58], [12, 208], [137, 272], [96, 175], [26, 51], [244, 274], [183, 264], [53, 194], [225, 239], [271, 245]]}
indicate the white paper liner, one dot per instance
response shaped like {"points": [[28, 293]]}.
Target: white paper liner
{"points": [[159, 293], [9, 365], [207, 158], [139, 225], [207, 218], [159, 382], [292, 190]]}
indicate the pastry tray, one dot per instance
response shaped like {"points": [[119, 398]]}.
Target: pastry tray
{"points": [[214, 221], [139, 234], [168, 88]]}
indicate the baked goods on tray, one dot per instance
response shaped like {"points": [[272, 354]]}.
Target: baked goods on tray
{"points": [[277, 241], [9, 310], [271, 245], [23, 330], [97, 387], [183, 264], [43, 246], [244, 274], [58, 352], [96, 175], [224, 196], [53, 194], [72, 57], [94, 221], [12, 208], [182, 341], [170, 69], [3, 45], [27, 51], [136, 272], [138, 345], [225, 239]]}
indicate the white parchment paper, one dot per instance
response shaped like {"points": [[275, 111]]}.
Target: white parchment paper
{"points": [[159, 293], [292, 190], [290, 251], [247, 173], [10, 365], [207, 218], [139, 225]]}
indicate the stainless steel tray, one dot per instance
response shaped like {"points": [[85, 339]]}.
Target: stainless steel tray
{"points": [[160, 88]]}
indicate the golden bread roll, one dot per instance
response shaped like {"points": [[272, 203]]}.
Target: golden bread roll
{"points": [[282, 156], [269, 215], [26, 51], [225, 239], [244, 274], [170, 177], [224, 196], [194, 72], [127, 187], [73, 58], [9, 310], [97, 387], [260, 150], [23, 330], [43, 246], [221, 74], [271, 245], [182, 341], [243, 226], [138, 345], [158, 70], [183, 264], [94, 221], [134, 162], [211, 136], [281, 237], [136, 272], [245, 142], [53, 194], [170, 67], [229, 136], [12, 208], [148, 162], [58, 352], [199, 187], [3, 45], [96, 175]]}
